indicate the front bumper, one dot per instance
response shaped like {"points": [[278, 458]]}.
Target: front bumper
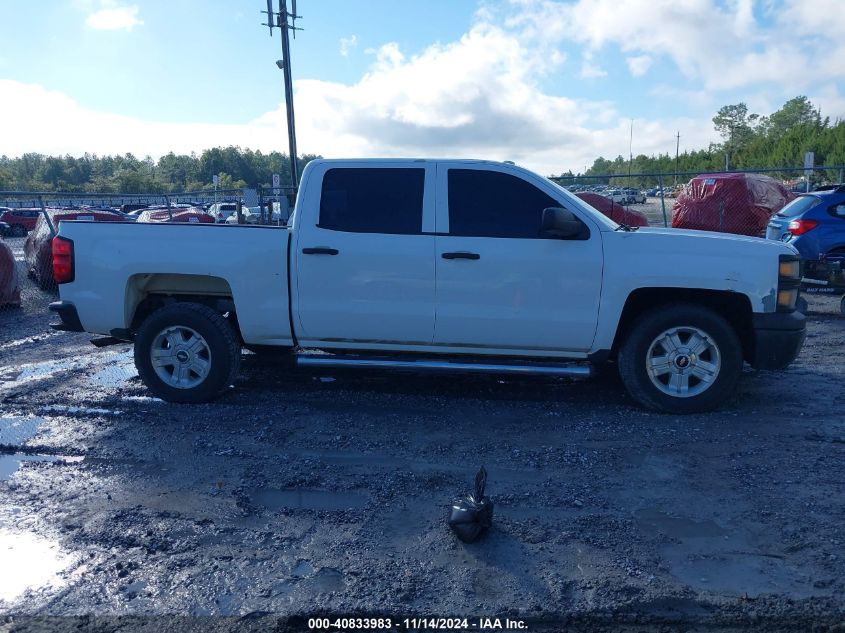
{"points": [[778, 337], [70, 318]]}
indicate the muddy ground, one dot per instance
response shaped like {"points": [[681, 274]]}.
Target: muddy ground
{"points": [[300, 494]]}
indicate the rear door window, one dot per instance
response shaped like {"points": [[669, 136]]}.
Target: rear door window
{"points": [[373, 200]]}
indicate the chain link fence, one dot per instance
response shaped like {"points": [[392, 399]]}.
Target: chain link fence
{"points": [[739, 202]]}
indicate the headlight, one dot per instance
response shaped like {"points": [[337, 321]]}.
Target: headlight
{"points": [[789, 269]]}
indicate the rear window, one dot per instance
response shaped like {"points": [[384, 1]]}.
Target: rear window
{"points": [[798, 206], [373, 200]]}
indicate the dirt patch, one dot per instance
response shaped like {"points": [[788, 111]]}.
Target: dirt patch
{"points": [[294, 495]]}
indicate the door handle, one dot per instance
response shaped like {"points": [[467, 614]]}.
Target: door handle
{"points": [[320, 251], [461, 255]]}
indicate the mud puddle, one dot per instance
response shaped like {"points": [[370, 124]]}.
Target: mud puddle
{"points": [[9, 464], [15, 431], [679, 527], [37, 562], [275, 499]]}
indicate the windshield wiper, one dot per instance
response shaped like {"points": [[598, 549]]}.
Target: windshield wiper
{"points": [[625, 227]]}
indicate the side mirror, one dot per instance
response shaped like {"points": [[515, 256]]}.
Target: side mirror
{"points": [[560, 223]]}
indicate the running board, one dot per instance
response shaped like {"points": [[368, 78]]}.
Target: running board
{"points": [[569, 371]]}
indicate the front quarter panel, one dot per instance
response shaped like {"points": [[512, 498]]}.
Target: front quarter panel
{"points": [[671, 258]]}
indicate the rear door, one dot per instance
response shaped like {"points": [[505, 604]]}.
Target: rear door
{"points": [[364, 255], [500, 284]]}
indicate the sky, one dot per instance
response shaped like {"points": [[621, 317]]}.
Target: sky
{"points": [[549, 84]]}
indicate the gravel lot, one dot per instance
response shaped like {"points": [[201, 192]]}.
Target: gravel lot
{"points": [[301, 493]]}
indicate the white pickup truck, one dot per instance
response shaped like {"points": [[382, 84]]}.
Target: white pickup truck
{"points": [[438, 265]]}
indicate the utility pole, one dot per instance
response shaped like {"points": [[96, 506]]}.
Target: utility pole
{"points": [[630, 152], [677, 148], [286, 22]]}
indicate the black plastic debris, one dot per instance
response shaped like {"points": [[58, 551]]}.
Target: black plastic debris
{"points": [[470, 516]]}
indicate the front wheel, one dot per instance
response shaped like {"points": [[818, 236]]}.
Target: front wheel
{"points": [[681, 358], [187, 352]]}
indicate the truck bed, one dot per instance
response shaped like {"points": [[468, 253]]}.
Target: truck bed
{"points": [[119, 264]]}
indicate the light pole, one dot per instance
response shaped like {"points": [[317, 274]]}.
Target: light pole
{"points": [[281, 20]]}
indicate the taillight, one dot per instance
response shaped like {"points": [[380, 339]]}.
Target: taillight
{"points": [[799, 227], [62, 260]]}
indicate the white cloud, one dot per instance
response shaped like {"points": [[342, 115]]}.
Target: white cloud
{"points": [[589, 69], [347, 44], [639, 64], [720, 45], [112, 17], [484, 95]]}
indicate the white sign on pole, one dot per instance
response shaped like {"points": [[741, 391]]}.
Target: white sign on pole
{"points": [[215, 179], [277, 181], [809, 160]]}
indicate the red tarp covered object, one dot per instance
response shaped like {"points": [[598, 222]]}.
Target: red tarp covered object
{"points": [[729, 203], [613, 210]]}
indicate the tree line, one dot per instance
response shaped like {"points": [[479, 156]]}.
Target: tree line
{"points": [[750, 141], [235, 168]]}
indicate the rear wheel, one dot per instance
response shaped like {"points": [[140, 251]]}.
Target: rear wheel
{"points": [[187, 352], [681, 358], [17, 230]]}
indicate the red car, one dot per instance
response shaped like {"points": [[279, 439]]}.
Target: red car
{"points": [[38, 248], [10, 290], [190, 215], [20, 221], [613, 210]]}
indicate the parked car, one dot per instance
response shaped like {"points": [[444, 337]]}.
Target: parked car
{"points": [[37, 248], [221, 211], [801, 187], [252, 215], [614, 211], [20, 221], [635, 196], [133, 208], [190, 215], [616, 195], [10, 290], [528, 277], [814, 223], [730, 203]]}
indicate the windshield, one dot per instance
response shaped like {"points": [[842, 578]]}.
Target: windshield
{"points": [[798, 206]]}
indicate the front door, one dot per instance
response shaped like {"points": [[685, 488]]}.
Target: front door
{"points": [[500, 284]]}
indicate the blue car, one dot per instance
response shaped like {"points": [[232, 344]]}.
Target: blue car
{"points": [[814, 223]]}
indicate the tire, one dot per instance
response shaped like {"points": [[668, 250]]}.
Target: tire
{"points": [[17, 230], [702, 352], [196, 351]]}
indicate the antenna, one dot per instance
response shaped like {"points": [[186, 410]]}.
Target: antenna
{"points": [[286, 22], [270, 14]]}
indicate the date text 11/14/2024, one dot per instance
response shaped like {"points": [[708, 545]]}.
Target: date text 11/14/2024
{"points": [[417, 624]]}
